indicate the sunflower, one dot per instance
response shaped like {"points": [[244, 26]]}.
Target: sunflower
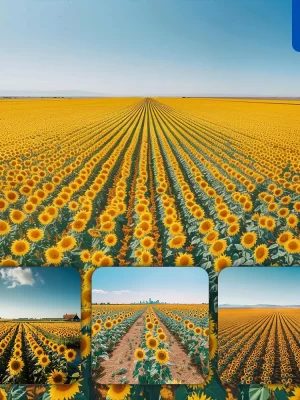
{"points": [[270, 224], [61, 349], [176, 228], [39, 351], [206, 225], [198, 330], [206, 331], [147, 242], [15, 366], [292, 220], [195, 396], [139, 354], [162, 356], [44, 360], [3, 394], [283, 212], [152, 343], [292, 246], [149, 326], [56, 377], [35, 234], [107, 226], [11, 196], [20, 247], [78, 225], [45, 218], [284, 237], [168, 221], [85, 256], [118, 392], [212, 345], [4, 228], [184, 260], [233, 229], [296, 393], [96, 258], [3, 205], [64, 392], [261, 253], [17, 216], [248, 239], [177, 242], [218, 247], [211, 237], [110, 240], [222, 262], [146, 258], [67, 243], [108, 325], [275, 386], [18, 353], [162, 337], [166, 393], [139, 233], [106, 261], [70, 355], [54, 255]]}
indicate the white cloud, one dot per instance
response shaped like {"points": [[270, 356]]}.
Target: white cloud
{"points": [[100, 291], [120, 291], [17, 277]]}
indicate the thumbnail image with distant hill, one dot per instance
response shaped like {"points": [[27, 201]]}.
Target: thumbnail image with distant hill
{"points": [[150, 326], [39, 325], [259, 325]]}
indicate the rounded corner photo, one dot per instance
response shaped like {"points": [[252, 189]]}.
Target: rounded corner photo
{"points": [[150, 325], [40, 325], [259, 324]]}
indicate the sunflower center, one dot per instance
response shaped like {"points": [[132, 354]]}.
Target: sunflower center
{"points": [[15, 365], [119, 388], [162, 356], [292, 245], [249, 239], [58, 378]]}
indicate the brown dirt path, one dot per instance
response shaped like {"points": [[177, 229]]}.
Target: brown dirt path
{"points": [[122, 357], [182, 370]]}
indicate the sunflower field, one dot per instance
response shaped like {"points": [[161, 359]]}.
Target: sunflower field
{"points": [[141, 182], [145, 335], [263, 349], [32, 354], [146, 182]]}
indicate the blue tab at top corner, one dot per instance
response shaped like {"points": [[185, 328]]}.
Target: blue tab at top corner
{"points": [[296, 25]]}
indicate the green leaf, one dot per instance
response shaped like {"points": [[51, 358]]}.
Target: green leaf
{"points": [[181, 393], [257, 392]]}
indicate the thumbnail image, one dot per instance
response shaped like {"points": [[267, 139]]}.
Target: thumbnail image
{"points": [[150, 325], [150, 182], [39, 325], [259, 324]]}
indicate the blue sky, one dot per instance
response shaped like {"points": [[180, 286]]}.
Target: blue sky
{"points": [[171, 285], [250, 286], [39, 292], [149, 47]]}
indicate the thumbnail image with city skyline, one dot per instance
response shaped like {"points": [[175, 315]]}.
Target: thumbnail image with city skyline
{"points": [[150, 326]]}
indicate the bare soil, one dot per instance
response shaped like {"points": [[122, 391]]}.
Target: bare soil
{"points": [[122, 357]]}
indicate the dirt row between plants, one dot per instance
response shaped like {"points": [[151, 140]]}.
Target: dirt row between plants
{"points": [[122, 357]]}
